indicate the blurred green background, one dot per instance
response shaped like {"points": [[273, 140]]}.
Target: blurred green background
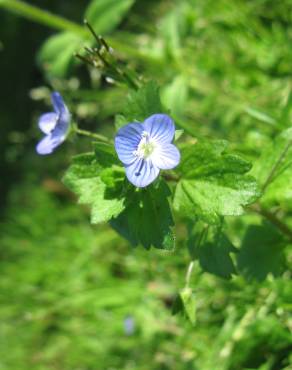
{"points": [[77, 296]]}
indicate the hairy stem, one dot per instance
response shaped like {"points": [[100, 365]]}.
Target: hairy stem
{"points": [[273, 220], [189, 273], [276, 165], [92, 135]]}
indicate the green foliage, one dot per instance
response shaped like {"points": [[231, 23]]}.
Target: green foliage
{"points": [[212, 248], [185, 304], [66, 289], [214, 183], [56, 54], [141, 104], [261, 252], [175, 96], [84, 178], [175, 27], [273, 169], [105, 15], [223, 69], [147, 218]]}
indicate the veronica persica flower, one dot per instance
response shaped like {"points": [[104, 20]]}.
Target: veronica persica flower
{"points": [[146, 148], [55, 125]]}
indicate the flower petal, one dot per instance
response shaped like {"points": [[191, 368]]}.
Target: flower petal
{"points": [[127, 141], [166, 157], [58, 102], [47, 122], [160, 127], [141, 172], [48, 144]]}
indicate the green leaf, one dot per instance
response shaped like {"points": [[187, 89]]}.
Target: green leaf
{"points": [[261, 252], [175, 27], [263, 117], [113, 177], [210, 158], [273, 171], [105, 154], [83, 178], [212, 248], [57, 54], [105, 15], [147, 218], [142, 103], [175, 95], [178, 134], [214, 183], [185, 304]]}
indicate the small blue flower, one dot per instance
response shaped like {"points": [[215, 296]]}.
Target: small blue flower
{"points": [[55, 125], [145, 148], [129, 325]]}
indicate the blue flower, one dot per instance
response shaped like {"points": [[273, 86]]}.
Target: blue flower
{"points": [[129, 325], [55, 125], [145, 148]]}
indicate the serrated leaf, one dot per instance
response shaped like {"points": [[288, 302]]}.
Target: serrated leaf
{"points": [[261, 252], [212, 248], [105, 15], [83, 178], [210, 158], [56, 56], [273, 171], [214, 183], [147, 218], [142, 103]]}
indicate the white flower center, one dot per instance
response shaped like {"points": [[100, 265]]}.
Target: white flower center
{"points": [[146, 146]]}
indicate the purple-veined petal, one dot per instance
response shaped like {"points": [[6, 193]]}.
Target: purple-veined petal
{"points": [[141, 172], [61, 109], [166, 157], [58, 102], [160, 127], [127, 141], [49, 143], [47, 122]]}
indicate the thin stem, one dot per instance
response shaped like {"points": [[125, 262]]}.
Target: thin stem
{"points": [[276, 165], [42, 16], [273, 220], [189, 273], [92, 135], [85, 60]]}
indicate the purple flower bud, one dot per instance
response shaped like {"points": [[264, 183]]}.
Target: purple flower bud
{"points": [[55, 125]]}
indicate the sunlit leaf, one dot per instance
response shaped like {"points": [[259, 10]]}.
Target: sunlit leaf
{"points": [[57, 54], [84, 178], [214, 183], [105, 15]]}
